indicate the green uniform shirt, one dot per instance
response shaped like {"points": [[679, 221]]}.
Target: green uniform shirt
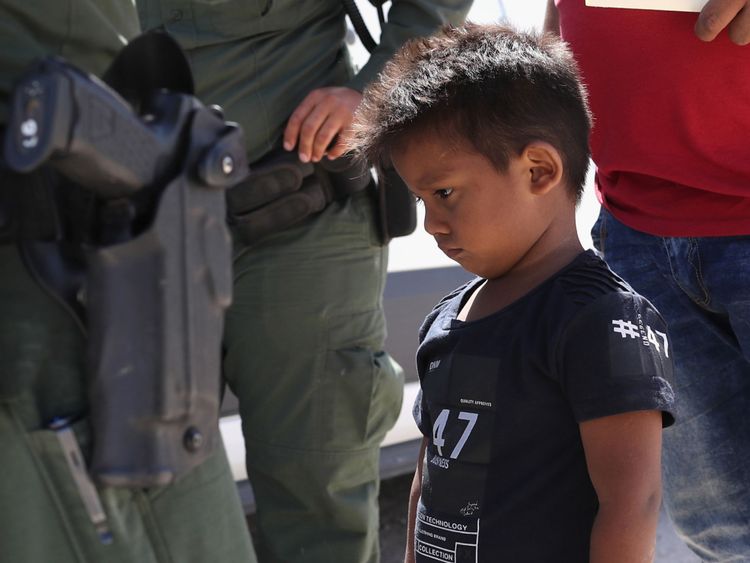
{"points": [[259, 58], [88, 33]]}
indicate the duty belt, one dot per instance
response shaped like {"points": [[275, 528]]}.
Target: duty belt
{"points": [[281, 191]]}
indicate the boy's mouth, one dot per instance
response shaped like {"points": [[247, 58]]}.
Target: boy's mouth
{"points": [[450, 252]]}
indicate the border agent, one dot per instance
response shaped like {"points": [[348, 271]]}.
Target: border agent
{"points": [[304, 336], [50, 510]]}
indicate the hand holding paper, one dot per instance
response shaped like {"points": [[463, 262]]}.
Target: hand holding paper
{"points": [[719, 14]]}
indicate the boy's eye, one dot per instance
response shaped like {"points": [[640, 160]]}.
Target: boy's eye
{"points": [[444, 193]]}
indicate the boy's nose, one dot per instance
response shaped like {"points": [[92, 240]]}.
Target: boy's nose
{"points": [[433, 224]]}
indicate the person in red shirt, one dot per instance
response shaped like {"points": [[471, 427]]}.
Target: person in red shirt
{"points": [[673, 176]]}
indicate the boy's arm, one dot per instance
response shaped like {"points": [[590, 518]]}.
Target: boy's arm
{"points": [[623, 455], [416, 487]]}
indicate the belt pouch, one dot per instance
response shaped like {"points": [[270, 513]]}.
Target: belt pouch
{"points": [[396, 205]]}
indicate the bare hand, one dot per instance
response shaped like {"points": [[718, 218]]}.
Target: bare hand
{"points": [[322, 115], [719, 14]]}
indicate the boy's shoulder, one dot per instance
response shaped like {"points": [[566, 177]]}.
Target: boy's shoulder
{"points": [[584, 284], [588, 290], [588, 278], [584, 288], [587, 302], [611, 350]]}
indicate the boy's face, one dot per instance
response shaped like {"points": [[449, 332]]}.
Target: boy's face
{"points": [[485, 220]]}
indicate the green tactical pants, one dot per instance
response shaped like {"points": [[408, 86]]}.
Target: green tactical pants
{"points": [[303, 345], [42, 518]]}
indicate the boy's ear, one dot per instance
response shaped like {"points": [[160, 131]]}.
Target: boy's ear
{"points": [[544, 166]]}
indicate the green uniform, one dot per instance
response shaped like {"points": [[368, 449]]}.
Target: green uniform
{"points": [[42, 371], [304, 336]]}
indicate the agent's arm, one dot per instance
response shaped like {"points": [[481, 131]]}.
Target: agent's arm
{"points": [[328, 112], [323, 114], [416, 486], [623, 455], [734, 15]]}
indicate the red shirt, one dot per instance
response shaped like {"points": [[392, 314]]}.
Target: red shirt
{"points": [[671, 138]]}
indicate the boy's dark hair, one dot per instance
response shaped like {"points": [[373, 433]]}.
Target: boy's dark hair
{"points": [[489, 85]]}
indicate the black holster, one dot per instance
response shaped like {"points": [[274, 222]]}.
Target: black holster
{"points": [[157, 256], [155, 316]]}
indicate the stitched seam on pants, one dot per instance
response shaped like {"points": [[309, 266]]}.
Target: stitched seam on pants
{"points": [[697, 266], [675, 278], [158, 545], [603, 234]]}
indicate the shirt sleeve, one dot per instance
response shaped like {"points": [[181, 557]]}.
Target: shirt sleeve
{"points": [[615, 357], [408, 19]]}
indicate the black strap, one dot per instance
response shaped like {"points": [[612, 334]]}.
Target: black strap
{"points": [[350, 7], [60, 269], [150, 62], [29, 206]]}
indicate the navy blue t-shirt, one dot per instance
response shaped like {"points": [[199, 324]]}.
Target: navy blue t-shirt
{"points": [[504, 474]]}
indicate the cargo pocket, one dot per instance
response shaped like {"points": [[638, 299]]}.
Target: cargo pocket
{"points": [[52, 499], [361, 388], [60, 482], [31, 506], [387, 396]]}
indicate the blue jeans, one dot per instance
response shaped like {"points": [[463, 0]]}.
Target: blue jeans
{"points": [[702, 288]]}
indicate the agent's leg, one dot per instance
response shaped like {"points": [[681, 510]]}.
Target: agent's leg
{"points": [[199, 517], [42, 515], [317, 394], [700, 287]]}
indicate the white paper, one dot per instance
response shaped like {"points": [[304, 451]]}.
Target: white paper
{"points": [[668, 5]]}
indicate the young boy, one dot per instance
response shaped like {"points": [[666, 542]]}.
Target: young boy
{"points": [[545, 381]]}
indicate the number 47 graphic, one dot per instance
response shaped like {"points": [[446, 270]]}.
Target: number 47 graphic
{"points": [[439, 428]]}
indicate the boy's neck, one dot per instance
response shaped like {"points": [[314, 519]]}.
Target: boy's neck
{"points": [[540, 263]]}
